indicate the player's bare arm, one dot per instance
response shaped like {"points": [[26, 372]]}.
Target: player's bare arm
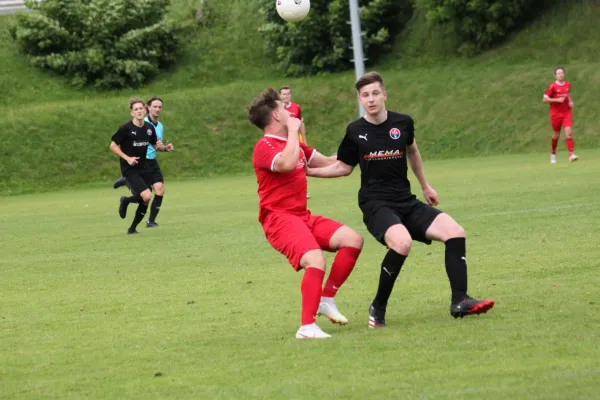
{"points": [[416, 163], [288, 159], [160, 146], [334, 170], [548, 99], [320, 161], [117, 150]]}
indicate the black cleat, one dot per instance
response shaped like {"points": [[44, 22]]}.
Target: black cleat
{"points": [[123, 203], [376, 317], [132, 231], [120, 182], [470, 306], [151, 224]]}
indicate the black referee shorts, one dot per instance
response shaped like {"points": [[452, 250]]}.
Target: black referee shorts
{"points": [[415, 215], [157, 175]]}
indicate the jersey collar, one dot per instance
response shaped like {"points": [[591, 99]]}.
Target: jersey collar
{"points": [[276, 137]]}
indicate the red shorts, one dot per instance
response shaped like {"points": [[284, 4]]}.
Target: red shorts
{"points": [[561, 119], [295, 235]]}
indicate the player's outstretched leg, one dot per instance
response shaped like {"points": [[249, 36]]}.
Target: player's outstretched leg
{"points": [[348, 244], [140, 212], [313, 263], [399, 242]]}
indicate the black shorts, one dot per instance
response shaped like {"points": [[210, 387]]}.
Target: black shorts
{"points": [[156, 172], [140, 179], [415, 215]]}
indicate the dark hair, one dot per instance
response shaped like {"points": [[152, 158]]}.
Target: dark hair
{"points": [[259, 111], [557, 68], [134, 101], [153, 99], [285, 87], [367, 79]]}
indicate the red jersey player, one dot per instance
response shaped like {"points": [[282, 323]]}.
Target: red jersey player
{"points": [[279, 160], [558, 96], [285, 92]]}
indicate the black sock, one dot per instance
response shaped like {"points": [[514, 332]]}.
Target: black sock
{"points": [[139, 215], [456, 268], [390, 268], [155, 208], [134, 199]]}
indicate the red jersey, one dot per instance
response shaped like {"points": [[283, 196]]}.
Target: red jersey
{"points": [[277, 191], [556, 90], [294, 110]]}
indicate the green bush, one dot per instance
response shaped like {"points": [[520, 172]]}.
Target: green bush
{"points": [[322, 42], [104, 43], [479, 23]]}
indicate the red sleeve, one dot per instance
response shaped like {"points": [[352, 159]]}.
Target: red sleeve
{"points": [[299, 113], [309, 152], [264, 155], [550, 90]]}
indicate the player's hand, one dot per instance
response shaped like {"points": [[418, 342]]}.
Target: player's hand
{"points": [[159, 144], [571, 104], [169, 147], [430, 196], [560, 100], [132, 160], [293, 125]]}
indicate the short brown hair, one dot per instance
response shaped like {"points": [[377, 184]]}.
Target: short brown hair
{"points": [[285, 87], [367, 79], [152, 100], [557, 68], [134, 101], [259, 111]]}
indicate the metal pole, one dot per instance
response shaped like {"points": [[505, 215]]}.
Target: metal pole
{"points": [[357, 47]]}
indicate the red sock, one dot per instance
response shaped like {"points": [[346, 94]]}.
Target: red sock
{"points": [[311, 294], [570, 145], [554, 145], [343, 264]]}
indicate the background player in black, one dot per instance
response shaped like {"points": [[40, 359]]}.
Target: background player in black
{"points": [[131, 143], [154, 107], [381, 142]]}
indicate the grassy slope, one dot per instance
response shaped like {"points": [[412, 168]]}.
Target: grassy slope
{"points": [[491, 104]]}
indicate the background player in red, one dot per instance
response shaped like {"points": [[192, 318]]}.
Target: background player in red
{"points": [[285, 92], [558, 96], [280, 161]]}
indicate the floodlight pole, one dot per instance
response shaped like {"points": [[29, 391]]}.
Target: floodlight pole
{"points": [[357, 47]]}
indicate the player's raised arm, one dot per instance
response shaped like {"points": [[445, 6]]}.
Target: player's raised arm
{"points": [[288, 158]]}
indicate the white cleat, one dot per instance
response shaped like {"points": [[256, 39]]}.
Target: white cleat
{"points": [[311, 331], [328, 309], [573, 158], [552, 158]]}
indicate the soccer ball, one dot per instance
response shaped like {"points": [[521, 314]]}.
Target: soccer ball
{"points": [[293, 10]]}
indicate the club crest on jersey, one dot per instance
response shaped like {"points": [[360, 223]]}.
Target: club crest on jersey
{"points": [[149, 132], [395, 133]]}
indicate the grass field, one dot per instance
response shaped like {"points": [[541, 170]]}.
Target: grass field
{"points": [[88, 312]]}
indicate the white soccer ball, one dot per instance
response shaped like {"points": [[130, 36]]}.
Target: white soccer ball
{"points": [[293, 10]]}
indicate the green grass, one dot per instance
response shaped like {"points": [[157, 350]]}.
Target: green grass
{"points": [[55, 137], [88, 312]]}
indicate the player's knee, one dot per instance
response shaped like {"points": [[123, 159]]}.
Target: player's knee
{"points": [[146, 196], [313, 259], [159, 189], [400, 244], [353, 239], [453, 231]]}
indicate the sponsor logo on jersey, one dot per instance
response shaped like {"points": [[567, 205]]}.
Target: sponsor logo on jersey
{"points": [[140, 144], [395, 133], [384, 155]]}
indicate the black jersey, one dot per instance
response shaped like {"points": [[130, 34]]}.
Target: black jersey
{"points": [[134, 142], [381, 152]]}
